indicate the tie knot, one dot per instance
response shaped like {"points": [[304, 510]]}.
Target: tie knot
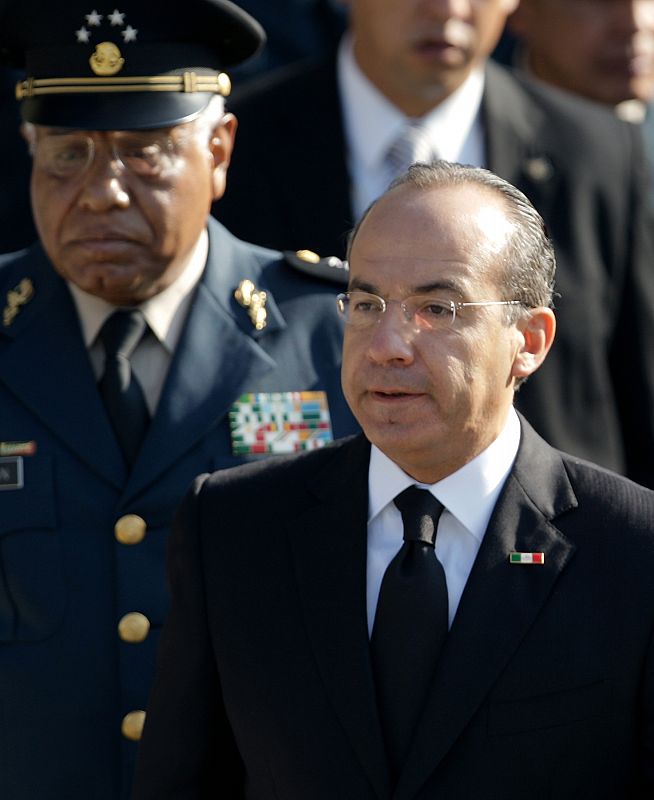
{"points": [[420, 514], [122, 331]]}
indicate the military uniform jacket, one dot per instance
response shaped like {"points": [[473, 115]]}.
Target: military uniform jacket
{"points": [[67, 677], [544, 689], [583, 170]]}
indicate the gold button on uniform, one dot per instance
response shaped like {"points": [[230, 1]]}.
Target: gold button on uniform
{"points": [[132, 725], [134, 627], [130, 529]]}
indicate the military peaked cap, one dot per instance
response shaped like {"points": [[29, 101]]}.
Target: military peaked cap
{"points": [[139, 64]]}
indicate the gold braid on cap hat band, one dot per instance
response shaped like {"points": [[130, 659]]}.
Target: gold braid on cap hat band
{"points": [[187, 82]]}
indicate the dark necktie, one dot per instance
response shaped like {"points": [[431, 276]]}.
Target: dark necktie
{"points": [[410, 624], [121, 392]]}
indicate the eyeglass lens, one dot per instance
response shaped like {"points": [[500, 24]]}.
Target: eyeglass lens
{"points": [[361, 309], [68, 155]]}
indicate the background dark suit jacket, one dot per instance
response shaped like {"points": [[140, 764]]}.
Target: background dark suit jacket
{"points": [[582, 169], [66, 678], [545, 689]]}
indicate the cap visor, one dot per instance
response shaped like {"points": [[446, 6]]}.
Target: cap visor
{"points": [[119, 111]]}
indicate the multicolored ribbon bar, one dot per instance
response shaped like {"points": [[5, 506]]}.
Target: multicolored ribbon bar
{"points": [[279, 422]]}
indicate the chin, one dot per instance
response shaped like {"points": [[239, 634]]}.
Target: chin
{"points": [[392, 436]]}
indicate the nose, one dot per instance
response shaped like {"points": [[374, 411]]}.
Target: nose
{"points": [[392, 338], [105, 185]]}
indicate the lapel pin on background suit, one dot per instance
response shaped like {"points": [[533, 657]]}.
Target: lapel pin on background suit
{"points": [[537, 559], [16, 298], [250, 297], [539, 169]]}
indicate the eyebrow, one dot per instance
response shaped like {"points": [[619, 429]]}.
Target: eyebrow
{"points": [[425, 288]]}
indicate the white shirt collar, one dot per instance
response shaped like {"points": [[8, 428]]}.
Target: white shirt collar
{"points": [[469, 494], [160, 311], [373, 123]]}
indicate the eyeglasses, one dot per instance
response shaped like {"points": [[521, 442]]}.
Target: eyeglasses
{"points": [[363, 309], [148, 154]]}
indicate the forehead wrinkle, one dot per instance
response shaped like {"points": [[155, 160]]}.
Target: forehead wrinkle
{"points": [[421, 275]]}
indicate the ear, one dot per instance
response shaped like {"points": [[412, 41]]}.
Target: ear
{"points": [[221, 146], [537, 336]]}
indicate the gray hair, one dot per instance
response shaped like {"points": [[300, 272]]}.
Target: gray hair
{"points": [[528, 257]]}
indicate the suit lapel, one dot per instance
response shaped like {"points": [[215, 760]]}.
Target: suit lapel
{"points": [[44, 339], [499, 604], [329, 547]]}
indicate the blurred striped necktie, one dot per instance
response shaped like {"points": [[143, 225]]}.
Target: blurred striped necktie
{"points": [[411, 145]]}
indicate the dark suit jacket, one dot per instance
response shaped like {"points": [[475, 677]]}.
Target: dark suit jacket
{"points": [[583, 170], [66, 677], [545, 688]]}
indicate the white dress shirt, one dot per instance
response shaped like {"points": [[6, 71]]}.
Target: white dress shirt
{"points": [[469, 496], [372, 123], [165, 314]]}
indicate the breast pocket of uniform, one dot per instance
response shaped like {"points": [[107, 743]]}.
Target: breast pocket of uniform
{"points": [[32, 591]]}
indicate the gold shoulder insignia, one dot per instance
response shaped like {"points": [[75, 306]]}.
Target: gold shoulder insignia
{"points": [[330, 268], [247, 295], [16, 298]]}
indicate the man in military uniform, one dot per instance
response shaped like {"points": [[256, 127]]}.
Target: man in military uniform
{"points": [[140, 344]]}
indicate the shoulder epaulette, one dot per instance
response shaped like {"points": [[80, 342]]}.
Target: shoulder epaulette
{"points": [[330, 268]]}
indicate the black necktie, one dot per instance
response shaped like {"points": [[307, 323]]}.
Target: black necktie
{"points": [[121, 392], [410, 624]]}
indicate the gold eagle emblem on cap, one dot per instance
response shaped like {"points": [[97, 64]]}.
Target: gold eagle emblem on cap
{"points": [[106, 59]]}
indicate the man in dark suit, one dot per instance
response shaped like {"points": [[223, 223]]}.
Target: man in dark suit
{"points": [[316, 141], [99, 439], [543, 687]]}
